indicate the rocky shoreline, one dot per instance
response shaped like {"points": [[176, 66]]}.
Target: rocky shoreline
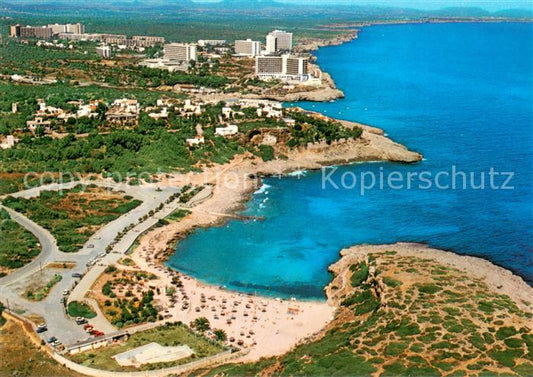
{"points": [[498, 279]]}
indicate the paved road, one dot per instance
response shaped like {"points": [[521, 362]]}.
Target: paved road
{"points": [[48, 247], [59, 325]]}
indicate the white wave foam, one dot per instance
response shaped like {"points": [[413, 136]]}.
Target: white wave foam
{"points": [[298, 173], [263, 189]]}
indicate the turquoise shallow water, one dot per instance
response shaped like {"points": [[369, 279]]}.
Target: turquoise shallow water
{"points": [[461, 94]]}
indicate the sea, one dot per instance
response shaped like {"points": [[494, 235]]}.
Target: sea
{"points": [[459, 93]]}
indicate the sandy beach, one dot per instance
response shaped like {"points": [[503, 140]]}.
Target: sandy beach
{"points": [[265, 326]]}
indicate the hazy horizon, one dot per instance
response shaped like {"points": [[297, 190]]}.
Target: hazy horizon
{"points": [[423, 5], [414, 4]]}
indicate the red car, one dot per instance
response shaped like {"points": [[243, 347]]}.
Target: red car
{"points": [[96, 333]]}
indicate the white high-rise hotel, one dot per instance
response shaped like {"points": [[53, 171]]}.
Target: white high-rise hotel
{"points": [[284, 67], [181, 52], [278, 40]]}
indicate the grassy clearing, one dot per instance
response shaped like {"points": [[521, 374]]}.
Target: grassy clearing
{"points": [[168, 335], [177, 215], [73, 216]]}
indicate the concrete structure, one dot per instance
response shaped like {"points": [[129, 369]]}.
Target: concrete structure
{"points": [[58, 28], [247, 47], [7, 142], [229, 130], [76, 28], [104, 51], [14, 31], [88, 111], [212, 42], [118, 40], [152, 353], [136, 41], [38, 122], [195, 141], [271, 43], [45, 32], [278, 40], [41, 32], [123, 112], [89, 37], [147, 41], [162, 115], [166, 64], [180, 52], [284, 67]]}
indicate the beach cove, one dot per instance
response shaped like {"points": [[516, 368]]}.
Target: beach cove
{"points": [[453, 119], [288, 254]]}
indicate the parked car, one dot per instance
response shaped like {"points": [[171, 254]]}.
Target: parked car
{"points": [[81, 321], [77, 275], [52, 339], [96, 333], [65, 292], [41, 329]]}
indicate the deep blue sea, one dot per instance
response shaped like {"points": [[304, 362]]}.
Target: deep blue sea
{"points": [[461, 94]]}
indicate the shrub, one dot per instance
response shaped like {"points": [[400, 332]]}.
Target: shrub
{"points": [[429, 288], [359, 273], [393, 283], [80, 309], [395, 348], [505, 332]]}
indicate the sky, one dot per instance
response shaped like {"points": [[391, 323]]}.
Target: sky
{"points": [[490, 5]]}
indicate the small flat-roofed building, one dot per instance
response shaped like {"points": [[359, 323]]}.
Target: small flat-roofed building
{"points": [[229, 130]]}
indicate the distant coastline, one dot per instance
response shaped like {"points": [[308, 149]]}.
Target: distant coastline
{"points": [[353, 29], [351, 33]]}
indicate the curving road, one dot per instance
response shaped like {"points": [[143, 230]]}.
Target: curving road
{"points": [[59, 324]]}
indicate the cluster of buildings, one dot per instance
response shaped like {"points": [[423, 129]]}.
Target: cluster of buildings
{"points": [[76, 32], [45, 113], [277, 41], [275, 61], [45, 32], [125, 112], [176, 57]]}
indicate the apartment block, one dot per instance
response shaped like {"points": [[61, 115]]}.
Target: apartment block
{"points": [[183, 52], [278, 40], [104, 51], [211, 42], [147, 41], [46, 32], [247, 47], [41, 32], [76, 28], [283, 67]]}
